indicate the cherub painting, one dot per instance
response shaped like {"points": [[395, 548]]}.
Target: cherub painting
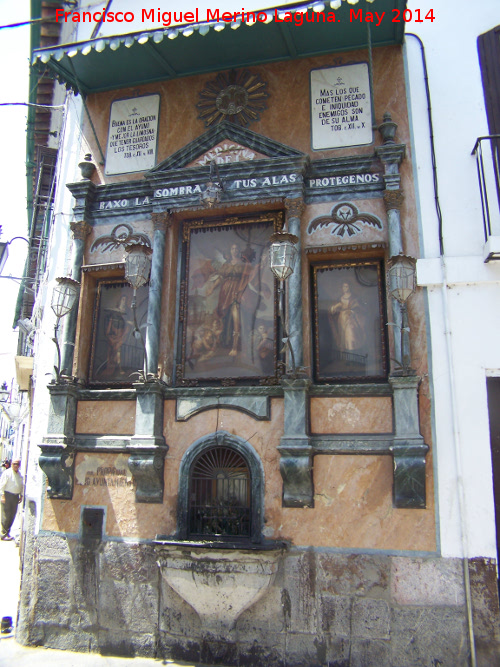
{"points": [[230, 298]]}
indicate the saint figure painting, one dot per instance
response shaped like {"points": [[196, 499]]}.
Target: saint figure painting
{"points": [[349, 321]]}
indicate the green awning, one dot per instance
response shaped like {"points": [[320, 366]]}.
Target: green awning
{"points": [[127, 60]]}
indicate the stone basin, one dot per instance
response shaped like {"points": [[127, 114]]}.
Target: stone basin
{"points": [[218, 583]]}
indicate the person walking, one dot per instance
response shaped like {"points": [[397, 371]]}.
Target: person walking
{"points": [[11, 494]]}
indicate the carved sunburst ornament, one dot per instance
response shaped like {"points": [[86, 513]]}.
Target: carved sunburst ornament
{"points": [[239, 97]]}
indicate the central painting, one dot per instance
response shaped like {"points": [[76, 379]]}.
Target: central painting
{"points": [[228, 302]]}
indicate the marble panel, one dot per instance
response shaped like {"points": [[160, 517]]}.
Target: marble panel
{"points": [[124, 517], [105, 417], [363, 414], [353, 509], [423, 581]]}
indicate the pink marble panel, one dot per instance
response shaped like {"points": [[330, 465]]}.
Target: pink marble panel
{"points": [[361, 414], [106, 417]]}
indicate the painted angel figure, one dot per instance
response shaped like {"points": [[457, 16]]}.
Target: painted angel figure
{"points": [[233, 277]]}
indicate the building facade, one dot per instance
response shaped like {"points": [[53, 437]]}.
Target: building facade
{"points": [[232, 468]]}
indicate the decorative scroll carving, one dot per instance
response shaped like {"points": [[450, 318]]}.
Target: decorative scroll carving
{"points": [[80, 229], [296, 472], [346, 218], [162, 221], [58, 463], [409, 473], [121, 235], [393, 199], [147, 470]]}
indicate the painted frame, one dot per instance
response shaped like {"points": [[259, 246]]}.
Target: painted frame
{"points": [[349, 322], [116, 354], [228, 309]]}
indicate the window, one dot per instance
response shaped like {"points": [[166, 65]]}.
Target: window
{"points": [[221, 490], [219, 495]]}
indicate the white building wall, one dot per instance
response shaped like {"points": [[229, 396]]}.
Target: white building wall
{"points": [[71, 149], [463, 292]]}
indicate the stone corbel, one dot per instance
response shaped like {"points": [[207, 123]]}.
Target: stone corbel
{"points": [[57, 459], [295, 448], [147, 445], [147, 466], [409, 449], [409, 473], [58, 463]]}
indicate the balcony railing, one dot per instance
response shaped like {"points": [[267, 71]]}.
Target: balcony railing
{"points": [[487, 153]]}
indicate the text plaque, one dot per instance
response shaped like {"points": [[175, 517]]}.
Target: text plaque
{"points": [[132, 135], [341, 107]]}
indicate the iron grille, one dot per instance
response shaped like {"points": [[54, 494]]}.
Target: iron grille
{"points": [[487, 153], [219, 495]]}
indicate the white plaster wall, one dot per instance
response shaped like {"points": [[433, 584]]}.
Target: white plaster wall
{"points": [[463, 292], [60, 243]]}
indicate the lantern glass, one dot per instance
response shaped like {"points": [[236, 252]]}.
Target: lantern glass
{"points": [[64, 296], [402, 278], [137, 264], [282, 254], [212, 194]]}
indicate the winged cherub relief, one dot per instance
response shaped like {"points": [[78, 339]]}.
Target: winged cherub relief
{"points": [[346, 219], [121, 235]]}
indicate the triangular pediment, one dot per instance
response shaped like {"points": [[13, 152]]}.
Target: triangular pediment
{"points": [[225, 143]]}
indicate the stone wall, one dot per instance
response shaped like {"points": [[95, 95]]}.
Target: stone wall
{"points": [[322, 608]]}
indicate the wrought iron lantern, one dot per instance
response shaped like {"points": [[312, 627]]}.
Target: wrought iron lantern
{"points": [[214, 188], [402, 284], [283, 254], [137, 270], [137, 265], [402, 277], [282, 257], [64, 297]]}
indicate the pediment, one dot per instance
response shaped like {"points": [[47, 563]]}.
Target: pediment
{"points": [[225, 143]]}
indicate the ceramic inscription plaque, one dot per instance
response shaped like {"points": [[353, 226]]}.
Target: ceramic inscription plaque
{"points": [[340, 107], [132, 135]]}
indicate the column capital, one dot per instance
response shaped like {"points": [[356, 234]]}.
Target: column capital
{"points": [[393, 199], [162, 221], [80, 229], [294, 207]]}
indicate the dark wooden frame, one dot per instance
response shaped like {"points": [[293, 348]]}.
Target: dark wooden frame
{"points": [[349, 332], [101, 349], [206, 349]]}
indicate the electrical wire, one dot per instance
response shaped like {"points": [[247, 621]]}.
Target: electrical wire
{"points": [[31, 104]]}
